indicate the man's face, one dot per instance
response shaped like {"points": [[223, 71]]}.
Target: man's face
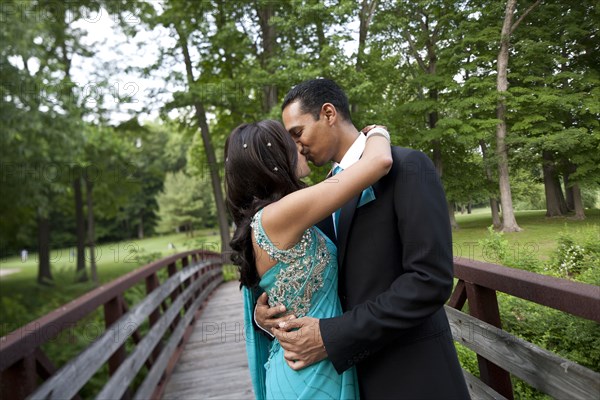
{"points": [[302, 168], [315, 137]]}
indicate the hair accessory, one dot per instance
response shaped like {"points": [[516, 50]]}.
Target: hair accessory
{"points": [[269, 144], [245, 145], [275, 169]]}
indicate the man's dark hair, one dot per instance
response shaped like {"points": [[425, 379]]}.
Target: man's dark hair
{"points": [[312, 94]]}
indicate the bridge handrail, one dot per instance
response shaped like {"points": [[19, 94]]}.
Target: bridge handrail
{"points": [[478, 283], [21, 357], [560, 294], [480, 331]]}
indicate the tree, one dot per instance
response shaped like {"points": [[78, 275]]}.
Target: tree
{"points": [[180, 204], [181, 19], [554, 91], [37, 122], [509, 223], [424, 35]]}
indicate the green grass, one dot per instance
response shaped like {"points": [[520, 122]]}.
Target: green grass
{"points": [[539, 233], [568, 336], [113, 258], [23, 300]]}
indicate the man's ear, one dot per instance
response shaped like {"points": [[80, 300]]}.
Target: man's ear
{"points": [[329, 112]]}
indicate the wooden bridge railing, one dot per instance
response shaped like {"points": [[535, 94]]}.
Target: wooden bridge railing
{"points": [[169, 309], [499, 353]]}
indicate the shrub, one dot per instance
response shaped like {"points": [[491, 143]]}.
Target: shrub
{"points": [[230, 272], [572, 259], [494, 247], [496, 250], [568, 336]]}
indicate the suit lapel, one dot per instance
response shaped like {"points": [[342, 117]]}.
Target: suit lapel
{"points": [[346, 216]]}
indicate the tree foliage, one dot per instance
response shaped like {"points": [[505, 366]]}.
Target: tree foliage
{"points": [[426, 69]]}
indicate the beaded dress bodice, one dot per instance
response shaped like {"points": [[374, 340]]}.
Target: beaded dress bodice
{"points": [[304, 279], [301, 272]]}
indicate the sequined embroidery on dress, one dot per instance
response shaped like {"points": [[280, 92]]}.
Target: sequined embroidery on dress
{"points": [[302, 276]]}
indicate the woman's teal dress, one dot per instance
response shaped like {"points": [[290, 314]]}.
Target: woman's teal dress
{"points": [[305, 281]]}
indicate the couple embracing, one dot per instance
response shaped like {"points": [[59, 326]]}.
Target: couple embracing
{"points": [[347, 277]]}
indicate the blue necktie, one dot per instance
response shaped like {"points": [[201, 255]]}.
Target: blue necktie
{"points": [[366, 196], [336, 214]]}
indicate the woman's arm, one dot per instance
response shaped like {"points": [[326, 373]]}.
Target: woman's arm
{"points": [[285, 220]]}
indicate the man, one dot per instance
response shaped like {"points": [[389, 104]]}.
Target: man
{"points": [[395, 265]]}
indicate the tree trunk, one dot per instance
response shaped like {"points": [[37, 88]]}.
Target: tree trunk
{"points": [[269, 35], [91, 238], [469, 207], [453, 222], [556, 206], [44, 272], [80, 273], [321, 40], [127, 228], [495, 213], [578, 203], [365, 17], [574, 199], [569, 195], [141, 225], [509, 223], [208, 149], [429, 66], [489, 177]]}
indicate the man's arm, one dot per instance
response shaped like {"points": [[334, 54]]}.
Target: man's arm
{"points": [[420, 291]]}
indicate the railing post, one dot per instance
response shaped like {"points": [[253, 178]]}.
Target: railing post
{"points": [[19, 380], [483, 304], [184, 263], [151, 284], [113, 310], [43, 365], [172, 270], [459, 296]]}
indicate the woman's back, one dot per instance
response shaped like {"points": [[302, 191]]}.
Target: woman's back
{"points": [[304, 279]]}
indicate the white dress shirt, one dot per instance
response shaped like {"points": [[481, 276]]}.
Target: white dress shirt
{"points": [[351, 157]]}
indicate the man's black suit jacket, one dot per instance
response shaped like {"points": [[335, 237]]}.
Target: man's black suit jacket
{"points": [[395, 274]]}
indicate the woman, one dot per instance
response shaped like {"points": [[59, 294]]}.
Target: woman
{"points": [[279, 250]]}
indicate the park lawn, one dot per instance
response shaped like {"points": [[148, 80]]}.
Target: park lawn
{"points": [[23, 300], [539, 235]]}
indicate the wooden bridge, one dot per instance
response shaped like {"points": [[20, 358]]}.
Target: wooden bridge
{"points": [[185, 338], [214, 363]]}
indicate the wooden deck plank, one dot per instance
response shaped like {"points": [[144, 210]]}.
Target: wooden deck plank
{"points": [[213, 364]]}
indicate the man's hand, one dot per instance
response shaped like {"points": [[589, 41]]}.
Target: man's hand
{"points": [[267, 317], [302, 347]]}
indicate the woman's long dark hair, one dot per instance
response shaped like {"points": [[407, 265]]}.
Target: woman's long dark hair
{"points": [[260, 168]]}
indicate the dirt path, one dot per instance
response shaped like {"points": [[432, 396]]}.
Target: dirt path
{"points": [[8, 271]]}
